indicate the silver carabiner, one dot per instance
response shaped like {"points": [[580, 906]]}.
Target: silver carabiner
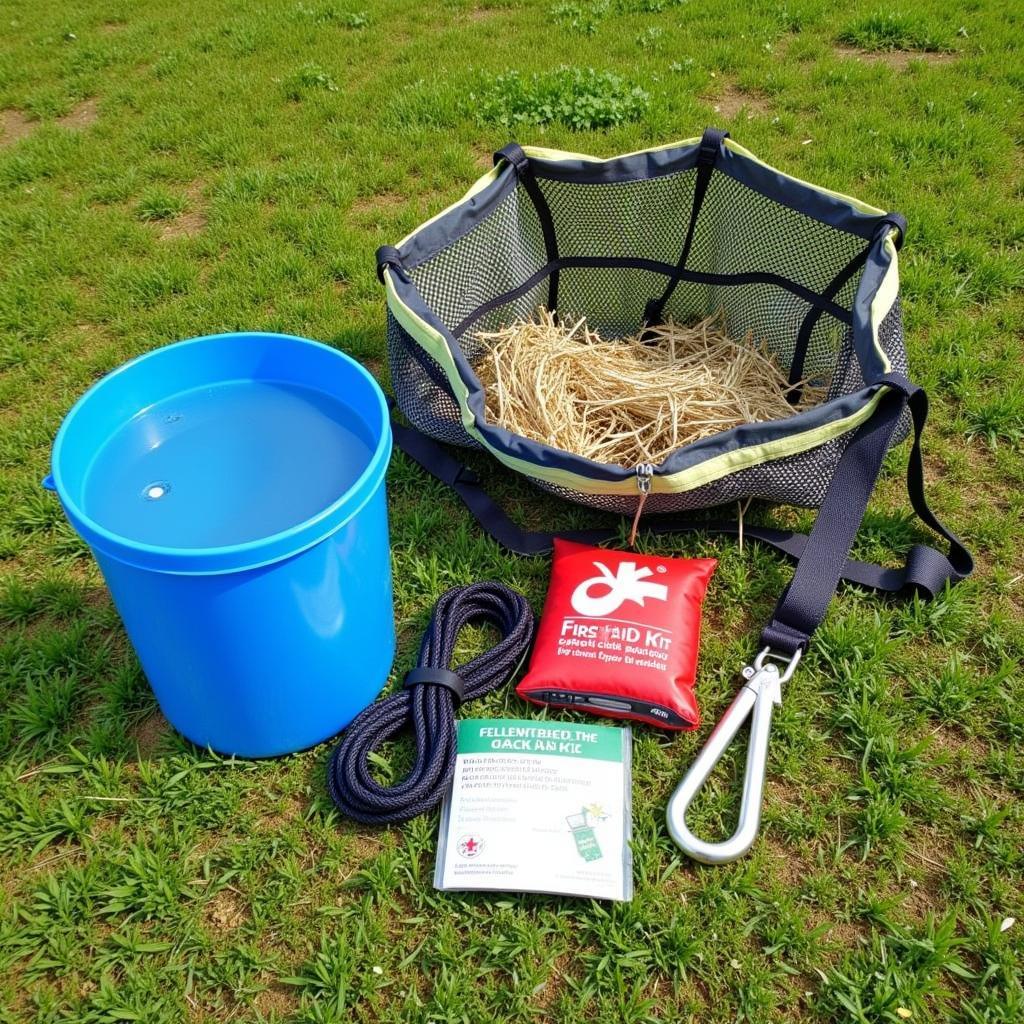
{"points": [[757, 697]]}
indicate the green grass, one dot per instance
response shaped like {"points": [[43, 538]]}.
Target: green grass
{"points": [[159, 204], [577, 98], [893, 30], [187, 168]]}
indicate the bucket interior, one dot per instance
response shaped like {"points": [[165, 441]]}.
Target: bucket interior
{"points": [[219, 442]]}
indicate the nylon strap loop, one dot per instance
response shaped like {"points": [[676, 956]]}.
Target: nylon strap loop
{"points": [[514, 154], [710, 146], [779, 637], [899, 222], [802, 607], [803, 604], [389, 256]]}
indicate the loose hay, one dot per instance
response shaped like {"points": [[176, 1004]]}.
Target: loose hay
{"points": [[628, 400]]}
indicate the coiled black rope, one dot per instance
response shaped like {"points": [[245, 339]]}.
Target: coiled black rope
{"points": [[428, 701]]}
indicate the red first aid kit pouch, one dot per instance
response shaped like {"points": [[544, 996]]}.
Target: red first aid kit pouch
{"points": [[619, 635]]}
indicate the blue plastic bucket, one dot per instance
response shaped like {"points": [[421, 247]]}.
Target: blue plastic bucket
{"points": [[231, 489]]}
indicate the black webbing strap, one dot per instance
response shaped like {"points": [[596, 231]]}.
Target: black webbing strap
{"points": [[710, 146], [821, 556], [639, 263], [890, 222], [436, 676], [803, 338], [513, 153], [820, 567]]}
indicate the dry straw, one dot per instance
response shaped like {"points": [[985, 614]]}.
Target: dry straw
{"points": [[629, 400]]}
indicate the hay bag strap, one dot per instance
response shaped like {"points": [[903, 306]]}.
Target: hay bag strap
{"points": [[822, 561], [821, 556]]}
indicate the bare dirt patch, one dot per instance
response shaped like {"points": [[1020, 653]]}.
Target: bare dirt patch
{"points": [[787, 863], [364, 846], [149, 734], [919, 898], [847, 934], [86, 338], [954, 742], [191, 221], [483, 156], [482, 13], [919, 890], [81, 115], [225, 911], [733, 102], [898, 60], [278, 999], [287, 809], [369, 205], [14, 126], [545, 996], [185, 225]]}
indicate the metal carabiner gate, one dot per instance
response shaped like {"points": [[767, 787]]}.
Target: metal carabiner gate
{"points": [[757, 698]]}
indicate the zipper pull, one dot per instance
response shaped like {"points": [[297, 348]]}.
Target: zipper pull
{"points": [[644, 473]]}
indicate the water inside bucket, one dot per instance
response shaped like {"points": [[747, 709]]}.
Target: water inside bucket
{"points": [[226, 464]]}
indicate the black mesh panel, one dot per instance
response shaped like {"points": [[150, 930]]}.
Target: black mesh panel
{"points": [[509, 312], [772, 315], [630, 219], [738, 231], [498, 254], [741, 231], [612, 299], [421, 389]]}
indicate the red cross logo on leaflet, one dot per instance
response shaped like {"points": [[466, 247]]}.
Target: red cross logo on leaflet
{"points": [[470, 846]]}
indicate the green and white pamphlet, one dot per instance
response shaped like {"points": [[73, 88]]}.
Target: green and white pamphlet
{"points": [[538, 807]]}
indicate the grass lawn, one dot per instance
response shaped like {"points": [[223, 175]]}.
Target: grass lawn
{"points": [[174, 169]]}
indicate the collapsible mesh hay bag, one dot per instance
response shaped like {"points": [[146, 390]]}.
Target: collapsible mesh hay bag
{"points": [[678, 234], [673, 233]]}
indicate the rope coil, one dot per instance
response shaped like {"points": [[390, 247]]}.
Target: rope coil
{"points": [[429, 707]]}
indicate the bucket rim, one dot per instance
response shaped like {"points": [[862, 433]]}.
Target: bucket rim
{"points": [[251, 554]]}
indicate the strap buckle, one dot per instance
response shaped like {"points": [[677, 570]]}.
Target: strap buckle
{"points": [[756, 699]]}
